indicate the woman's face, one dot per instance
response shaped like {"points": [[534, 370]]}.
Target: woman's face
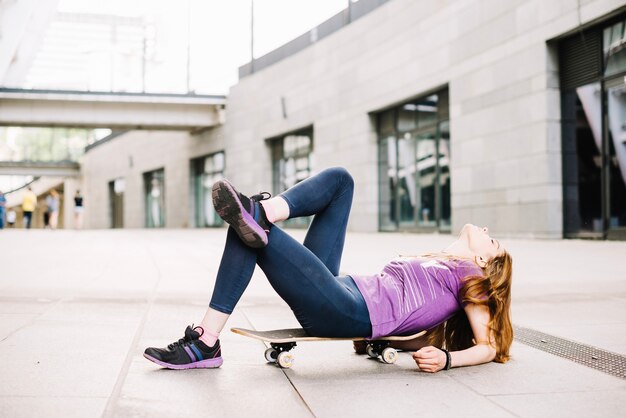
{"points": [[480, 243]]}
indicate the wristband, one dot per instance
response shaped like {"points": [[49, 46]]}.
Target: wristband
{"points": [[448, 359]]}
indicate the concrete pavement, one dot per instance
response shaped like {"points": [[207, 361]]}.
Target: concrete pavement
{"points": [[77, 309]]}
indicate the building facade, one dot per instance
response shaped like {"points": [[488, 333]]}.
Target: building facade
{"points": [[507, 114], [152, 179]]}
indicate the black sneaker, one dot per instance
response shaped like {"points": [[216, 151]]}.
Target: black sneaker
{"points": [[244, 214], [187, 353]]}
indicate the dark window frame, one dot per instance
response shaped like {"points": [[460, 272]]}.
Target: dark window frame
{"points": [[197, 169], [577, 70], [148, 176], [276, 146], [384, 134]]}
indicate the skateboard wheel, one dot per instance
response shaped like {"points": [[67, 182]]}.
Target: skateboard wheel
{"points": [[370, 351], [389, 355], [271, 355], [285, 360]]}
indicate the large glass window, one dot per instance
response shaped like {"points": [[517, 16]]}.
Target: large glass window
{"points": [[387, 182], [614, 48], [426, 173], [445, 208], [594, 137], [206, 171], [582, 159], [614, 42], [154, 182], [292, 160], [616, 153], [414, 158]]}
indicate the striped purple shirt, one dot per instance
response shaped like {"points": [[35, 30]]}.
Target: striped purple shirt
{"points": [[414, 294]]}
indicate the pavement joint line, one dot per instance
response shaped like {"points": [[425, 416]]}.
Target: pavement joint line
{"points": [[554, 392], [121, 378], [297, 391], [472, 389], [35, 318], [284, 371], [109, 409], [596, 358]]}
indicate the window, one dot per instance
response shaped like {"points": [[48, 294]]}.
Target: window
{"points": [[414, 172], [154, 182], [206, 171], [292, 158], [614, 48], [593, 97]]}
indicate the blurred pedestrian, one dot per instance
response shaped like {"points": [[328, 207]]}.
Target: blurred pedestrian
{"points": [[78, 210], [3, 204], [11, 217], [52, 201], [29, 203]]}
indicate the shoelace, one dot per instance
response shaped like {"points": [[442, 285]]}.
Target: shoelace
{"points": [[260, 196], [186, 339]]}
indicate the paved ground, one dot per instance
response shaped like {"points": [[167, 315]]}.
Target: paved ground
{"points": [[77, 308]]}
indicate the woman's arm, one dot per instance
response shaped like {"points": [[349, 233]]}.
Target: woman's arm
{"points": [[431, 359]]}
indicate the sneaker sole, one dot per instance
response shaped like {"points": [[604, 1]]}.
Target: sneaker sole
{"points": [[203, 364], [229, 208]]}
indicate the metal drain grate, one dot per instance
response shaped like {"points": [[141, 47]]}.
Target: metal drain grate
{"points": [[605, 361]]}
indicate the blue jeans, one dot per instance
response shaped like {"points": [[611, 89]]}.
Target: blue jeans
{"points": [[28, 218], [304, 275]]}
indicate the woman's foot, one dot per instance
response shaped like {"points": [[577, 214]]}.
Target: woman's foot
{"points": [[187, 353], [244, 214]]}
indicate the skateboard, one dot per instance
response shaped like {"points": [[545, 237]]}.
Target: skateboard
{"points": [[282, 341]]}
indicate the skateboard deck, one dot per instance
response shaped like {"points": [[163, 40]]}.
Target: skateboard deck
{"points": [[283, 340]]}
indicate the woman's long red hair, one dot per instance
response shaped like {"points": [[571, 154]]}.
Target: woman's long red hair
{"points": [[456, 333]]}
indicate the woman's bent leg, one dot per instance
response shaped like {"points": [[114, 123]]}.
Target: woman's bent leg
{"points": [[200, 347], [328, 196], [324, 305], [234, 274]]}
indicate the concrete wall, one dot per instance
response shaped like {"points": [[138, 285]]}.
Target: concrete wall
{"points": [[130, 156], [504, 103]]}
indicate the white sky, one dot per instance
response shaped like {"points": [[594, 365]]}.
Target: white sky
{"points": [[219, 32]]}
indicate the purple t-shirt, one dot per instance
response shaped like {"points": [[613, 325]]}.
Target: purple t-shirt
{"points": [[414, 294]]}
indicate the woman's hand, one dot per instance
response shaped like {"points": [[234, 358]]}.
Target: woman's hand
{"points": [[430, 359]]}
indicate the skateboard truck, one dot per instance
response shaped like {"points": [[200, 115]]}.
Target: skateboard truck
{"points": [[279, 353], [374, 349]]}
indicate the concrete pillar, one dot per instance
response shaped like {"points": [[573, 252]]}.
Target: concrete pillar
{"points": [[70, 185]]}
